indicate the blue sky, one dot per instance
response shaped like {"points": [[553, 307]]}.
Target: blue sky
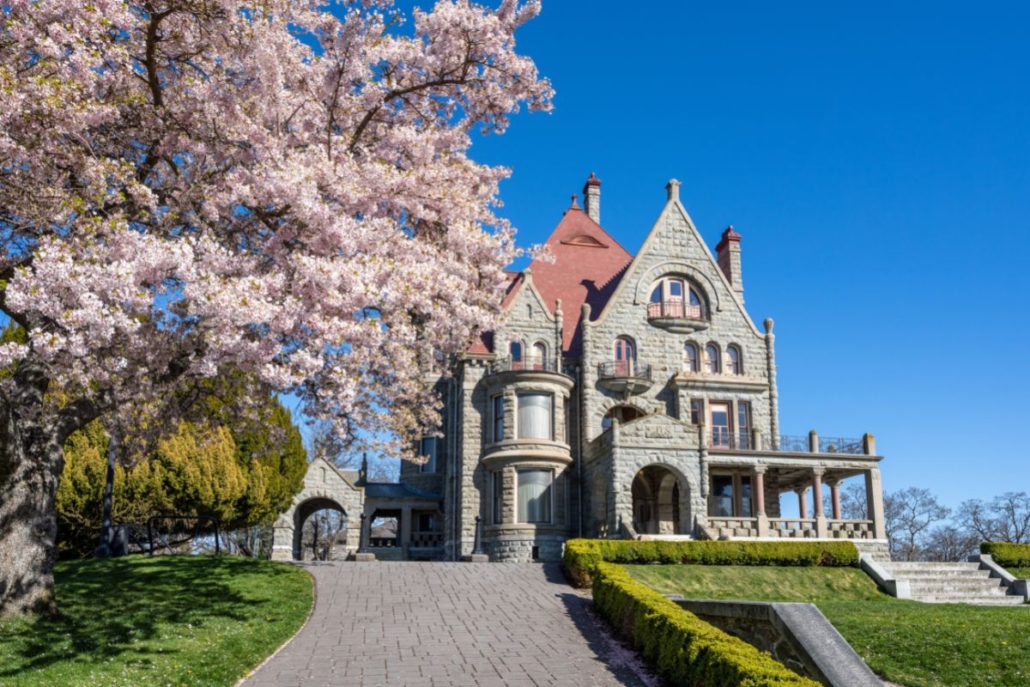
{"points": [[876, 160]]}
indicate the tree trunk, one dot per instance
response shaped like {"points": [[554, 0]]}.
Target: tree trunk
{"points": [[33, 461]]}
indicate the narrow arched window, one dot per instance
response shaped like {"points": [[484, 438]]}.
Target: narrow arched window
{"points": [[539, 361], [690, 358], [623, 356], [711, 359], [515, 350], [733, 366]]}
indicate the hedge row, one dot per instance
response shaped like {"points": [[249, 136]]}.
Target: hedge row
{"points": [[683, 648], [583, 555], [1007, 555]]}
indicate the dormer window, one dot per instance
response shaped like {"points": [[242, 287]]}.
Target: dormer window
{"points": [[539, 361], [678, 305], [515, 351]]}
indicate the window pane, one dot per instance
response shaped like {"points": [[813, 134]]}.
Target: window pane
{"points": [[675, 290], [695, 412], [498, 497], [745, 497], [535, 416], [535, 495], [712, 359], [429, 450], [722, 496], [498, 418]]}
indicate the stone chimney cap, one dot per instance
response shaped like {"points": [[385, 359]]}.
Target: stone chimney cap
{"points": [[729, 236], [592, 180]]}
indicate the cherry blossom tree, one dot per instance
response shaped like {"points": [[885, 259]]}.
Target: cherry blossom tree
{"points": [[265, 185]]}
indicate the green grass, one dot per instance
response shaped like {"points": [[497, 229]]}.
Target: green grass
{"points": [[1019, 573], [759, 583], [909, 643], [167, 620]]}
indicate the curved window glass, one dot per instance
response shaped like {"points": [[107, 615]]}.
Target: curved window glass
{"points": [[733, 360], [691, 362]]}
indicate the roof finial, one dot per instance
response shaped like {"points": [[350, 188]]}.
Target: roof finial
{"points": [[574, 203]]}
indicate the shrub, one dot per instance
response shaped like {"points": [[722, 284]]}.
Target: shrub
{"points": [[1007, 555], [682, 647], [583, 555]]}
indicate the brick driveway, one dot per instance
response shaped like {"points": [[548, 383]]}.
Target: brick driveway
{"points": [[449, 624]]}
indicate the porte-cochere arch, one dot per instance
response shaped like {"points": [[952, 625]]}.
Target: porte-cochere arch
{"points": [[325, 487]]}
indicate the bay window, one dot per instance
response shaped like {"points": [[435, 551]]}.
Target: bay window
{"points": [[534, 495]]}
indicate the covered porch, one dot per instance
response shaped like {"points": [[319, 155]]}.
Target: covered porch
{"points": [[746, 487]]}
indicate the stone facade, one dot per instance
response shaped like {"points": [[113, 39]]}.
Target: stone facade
{"points": [[630, 396]]}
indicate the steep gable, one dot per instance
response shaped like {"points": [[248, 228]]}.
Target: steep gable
{"points": [[588, 264]]}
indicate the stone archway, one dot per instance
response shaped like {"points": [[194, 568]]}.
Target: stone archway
{"points": [[325, 486], [305, 510], [661, 501]]}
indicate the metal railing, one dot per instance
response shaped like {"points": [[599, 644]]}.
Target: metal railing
{"points": [[727, 439], [624, 369], [527, 363], [675, 310], [426, 539], [722, 437]]}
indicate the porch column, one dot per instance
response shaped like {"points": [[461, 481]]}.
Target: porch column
{"points": [[802, 502], [821, 530], [874, 502], [404, 532], [759, 489], [835, 497]]}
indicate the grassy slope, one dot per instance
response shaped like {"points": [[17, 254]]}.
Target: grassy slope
{"points": [[169, 620], [1019, 573], [912, 644]]}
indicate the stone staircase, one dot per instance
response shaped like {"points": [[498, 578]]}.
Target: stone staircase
{"points": [[951, 583]]}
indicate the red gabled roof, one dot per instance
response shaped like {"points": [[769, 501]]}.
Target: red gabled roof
{"points": [[588, 264]]}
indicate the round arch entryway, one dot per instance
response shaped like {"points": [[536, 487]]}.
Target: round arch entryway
{"points": [[661, 501], [304, 510]]}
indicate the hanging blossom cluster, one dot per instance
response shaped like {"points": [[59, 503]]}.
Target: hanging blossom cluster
{"points": [[273, 186]]}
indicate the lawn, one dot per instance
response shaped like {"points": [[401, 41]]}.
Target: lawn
{"points": [[909, 643], [167, 620], [1019, 573]]}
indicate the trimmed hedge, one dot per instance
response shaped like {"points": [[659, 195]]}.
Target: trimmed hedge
{"points": [[1007, 555], [583, 555], [682, 647]]}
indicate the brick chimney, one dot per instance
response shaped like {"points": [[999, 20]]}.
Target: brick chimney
{"points": [[592, 198], [728, 255]]}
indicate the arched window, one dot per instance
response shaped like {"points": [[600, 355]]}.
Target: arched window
{"points": [[623, 356], [515, 350], [711, 359], [691, 362], [539, 361], [675, 297], [733, 366]]}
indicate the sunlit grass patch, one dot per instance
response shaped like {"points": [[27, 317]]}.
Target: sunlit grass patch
{"points": [[169, 620]]}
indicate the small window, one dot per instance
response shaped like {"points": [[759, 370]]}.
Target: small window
{"points": [[733, 360], [534, 495], [695, 411], [498, 418], [498, 497], [536, 416], [515, 349], [428, 452], [539, 361], [690, 358], [743, 424], [426, 522], [623, 355], [711, 359]]}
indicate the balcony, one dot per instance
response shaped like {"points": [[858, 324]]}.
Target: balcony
{"points": [[677, 316], [724, 439], [526, 363], [625, 376]]}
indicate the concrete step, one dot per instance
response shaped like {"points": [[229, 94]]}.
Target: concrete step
{"points": [[956, 586], [940, 574], [916, 566], [999, 600]]}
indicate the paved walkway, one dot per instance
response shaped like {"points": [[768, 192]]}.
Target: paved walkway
{"points": [[449, 625]]}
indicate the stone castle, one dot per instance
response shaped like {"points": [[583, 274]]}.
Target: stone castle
{"points": [[625, 396]]}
